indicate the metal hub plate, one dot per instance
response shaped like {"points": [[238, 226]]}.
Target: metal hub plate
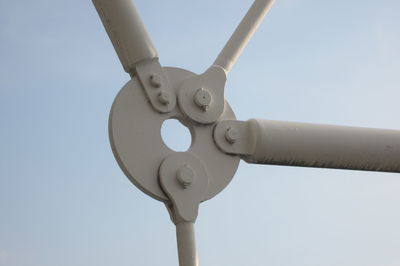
{"points": [[135, 136]]}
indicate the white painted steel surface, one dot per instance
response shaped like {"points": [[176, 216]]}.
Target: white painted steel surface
{"points": [[135, 137], [218, 140], [185, 236], [126, 31], [326, 146], [243, 33]]}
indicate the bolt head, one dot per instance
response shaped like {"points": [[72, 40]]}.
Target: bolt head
{"points": [[231, 135], [202, 98], [155, 81], [164, 97], [185, 176]]}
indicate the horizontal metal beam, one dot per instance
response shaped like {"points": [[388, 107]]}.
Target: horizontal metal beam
{"points": [[126, 31], [311, 145]]}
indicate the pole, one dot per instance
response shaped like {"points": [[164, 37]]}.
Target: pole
{"points": [[326, 146], [243, 33], [126, 31], [186, 244]]}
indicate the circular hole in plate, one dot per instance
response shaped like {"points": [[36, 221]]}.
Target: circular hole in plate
{"points": [[176, 135]]}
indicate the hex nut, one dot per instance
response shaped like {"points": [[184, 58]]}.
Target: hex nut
{"points": [[231, 135], [185, 176], [202, 98], [155, 81], [164, 97]]}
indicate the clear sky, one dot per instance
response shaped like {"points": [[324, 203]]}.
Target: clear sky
{"points": [[65, 202]]}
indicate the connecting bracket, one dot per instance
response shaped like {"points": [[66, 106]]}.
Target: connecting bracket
{"points": [[235, 137], [201, 97], [184, 180], [155, 84]]}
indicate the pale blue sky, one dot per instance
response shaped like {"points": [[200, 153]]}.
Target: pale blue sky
{"points": [[65, 202]]}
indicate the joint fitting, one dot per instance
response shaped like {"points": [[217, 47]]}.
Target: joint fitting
{"points": [[202, 98]]}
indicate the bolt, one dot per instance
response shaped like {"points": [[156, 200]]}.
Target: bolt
{"points": [[202, 99], [164, 97], [231, 135], [155, 81], [185, 176]]}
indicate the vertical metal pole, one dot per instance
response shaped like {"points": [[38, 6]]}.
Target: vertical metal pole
{"points": [[186, 244], [242, 34], [126, 31]]}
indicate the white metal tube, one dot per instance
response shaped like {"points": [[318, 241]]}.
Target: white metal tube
{"points": [[126, 31], [249, 24], [186, 244], [326, 146]]}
